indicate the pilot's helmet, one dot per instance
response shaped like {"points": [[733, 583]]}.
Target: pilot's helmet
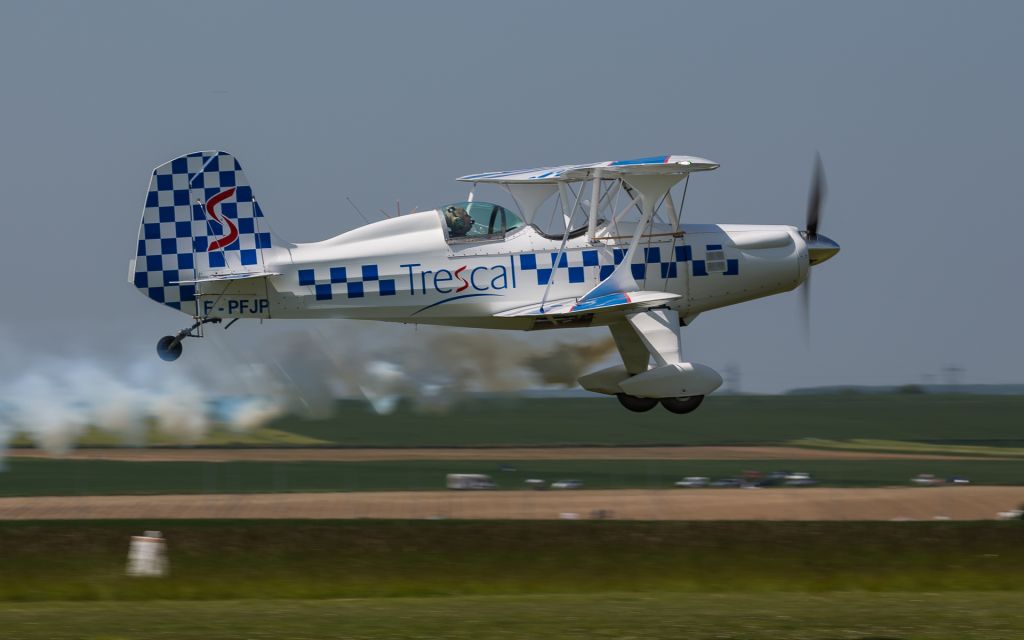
{"points": [[459, 222]]}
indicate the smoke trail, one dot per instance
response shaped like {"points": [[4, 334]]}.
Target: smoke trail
{"points": [[53, 402], [58, 401], [431, 367]]}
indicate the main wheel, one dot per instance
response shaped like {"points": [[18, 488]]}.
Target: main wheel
{"points": [[168, 348], [634, 403], [682, 405]]}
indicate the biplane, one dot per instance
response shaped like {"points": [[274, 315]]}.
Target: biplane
{"points": [[620, 257]]}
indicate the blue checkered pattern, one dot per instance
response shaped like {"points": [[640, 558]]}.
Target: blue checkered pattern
{"points": [[649, 263], [732, 267], [344, 282], [177, 231]]}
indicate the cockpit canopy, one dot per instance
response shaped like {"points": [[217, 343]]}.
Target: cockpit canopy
{"points": [[478, 220]]}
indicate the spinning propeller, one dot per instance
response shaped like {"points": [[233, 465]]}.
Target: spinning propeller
{"points": [[819, 247]]}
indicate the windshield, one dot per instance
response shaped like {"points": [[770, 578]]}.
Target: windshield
{"points": [[479, 220]]}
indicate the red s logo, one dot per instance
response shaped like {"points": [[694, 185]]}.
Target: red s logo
{"points": [[465, 285], [232, 235]]}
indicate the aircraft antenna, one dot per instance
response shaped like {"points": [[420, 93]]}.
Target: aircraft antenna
{"points": [[357, 210]]}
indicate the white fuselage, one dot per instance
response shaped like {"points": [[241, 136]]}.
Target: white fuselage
{"points": [[408, 270]]}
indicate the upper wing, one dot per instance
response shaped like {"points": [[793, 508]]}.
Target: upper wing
{"points": [[656, 165]]}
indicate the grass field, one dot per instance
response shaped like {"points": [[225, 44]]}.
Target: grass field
{"points": [[956, 420], [30, 477], [530, 580], [744, 616], [952, 419], [70, 560]]}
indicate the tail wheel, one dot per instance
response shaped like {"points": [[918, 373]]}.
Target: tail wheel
{"points": [[682, 405], [168, 348], [634, 403]]}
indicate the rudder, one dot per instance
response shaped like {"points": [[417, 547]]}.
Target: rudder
{"points": [[200, 219]]}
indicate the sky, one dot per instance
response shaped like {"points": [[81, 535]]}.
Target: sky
{"points": [[915, 108]]}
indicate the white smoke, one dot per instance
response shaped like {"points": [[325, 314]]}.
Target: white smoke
{"points": [[430, 367], [252, 413], [58, 401], [54, 402]]}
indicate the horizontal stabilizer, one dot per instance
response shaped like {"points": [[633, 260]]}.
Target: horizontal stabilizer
{"points": [[230, 276], [602, 304]]}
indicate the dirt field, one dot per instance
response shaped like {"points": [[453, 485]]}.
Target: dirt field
{"points": [[502, 453], [959, 503]]}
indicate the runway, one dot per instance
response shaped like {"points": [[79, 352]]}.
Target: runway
{"points": [[957, 503]]}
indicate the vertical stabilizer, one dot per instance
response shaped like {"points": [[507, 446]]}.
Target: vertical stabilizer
{"points": [[200, 220]]}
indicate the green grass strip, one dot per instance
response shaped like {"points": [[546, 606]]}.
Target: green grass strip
{"points": [[339, 559], [38, 477], [746, 616]]}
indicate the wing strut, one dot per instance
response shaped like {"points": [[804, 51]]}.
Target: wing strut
{"points": [[652, 188], [561, 249]]}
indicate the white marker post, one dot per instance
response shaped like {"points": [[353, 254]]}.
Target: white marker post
{"points": [[147, 556]]}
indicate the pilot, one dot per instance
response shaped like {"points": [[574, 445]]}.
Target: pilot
{"points": [[459, 222]]}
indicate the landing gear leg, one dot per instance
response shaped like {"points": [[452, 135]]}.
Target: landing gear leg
{"points": [[169, 347]]}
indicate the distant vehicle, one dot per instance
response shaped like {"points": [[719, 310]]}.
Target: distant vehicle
{"points": [[927, 480], [693, 482], [470, 481], [800, 479], [536, 483], [958, 480], [727, 483], [773, 479], [567, 484]]}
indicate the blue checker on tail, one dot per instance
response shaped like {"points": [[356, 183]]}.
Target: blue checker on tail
{"points": [[192, 202]]}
